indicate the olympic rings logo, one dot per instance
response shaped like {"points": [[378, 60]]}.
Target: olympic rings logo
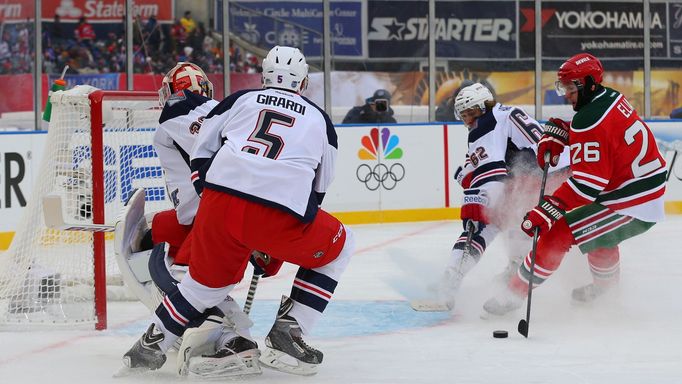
{"points": [[380, 175]]}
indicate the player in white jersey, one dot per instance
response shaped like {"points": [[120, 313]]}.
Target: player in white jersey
{"points": [[186, 98], [499, 176], [263, 161]]}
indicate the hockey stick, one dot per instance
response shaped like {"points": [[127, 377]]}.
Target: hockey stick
{"points": [[426, 305], [54, 217], [252, 292], [524, 323]]}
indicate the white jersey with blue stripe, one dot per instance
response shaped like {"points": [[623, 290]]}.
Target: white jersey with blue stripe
{"points": [[499, 134], [179, 126], [271, 146]]}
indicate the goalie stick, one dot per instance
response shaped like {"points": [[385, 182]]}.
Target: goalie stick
{"points": [[429, 305], [54, 217]]}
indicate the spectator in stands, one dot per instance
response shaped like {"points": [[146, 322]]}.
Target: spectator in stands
{"points": [[56, 32], [152, 33], [178, 37], [676, 113], [446, 109], [84, 33], [377, 109], [188, 23]]}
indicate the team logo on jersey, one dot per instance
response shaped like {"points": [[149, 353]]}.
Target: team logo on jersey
{"points": [[386, 173]]}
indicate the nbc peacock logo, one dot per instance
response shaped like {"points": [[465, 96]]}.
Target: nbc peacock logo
{"points": [[383, 152]]}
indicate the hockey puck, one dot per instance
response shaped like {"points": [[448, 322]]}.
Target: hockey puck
{"points": [[500, 334]]}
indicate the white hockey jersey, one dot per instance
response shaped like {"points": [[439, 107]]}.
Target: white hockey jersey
{"points": [[501, 140], [179, 125], [270, 146]]}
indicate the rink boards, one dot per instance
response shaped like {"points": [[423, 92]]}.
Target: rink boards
{"points": [[385, 173]]}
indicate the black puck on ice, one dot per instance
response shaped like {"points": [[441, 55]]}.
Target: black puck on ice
{"points": [[500, 334]]}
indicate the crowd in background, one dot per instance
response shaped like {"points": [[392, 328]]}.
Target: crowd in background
{"points": [[88, 50]]}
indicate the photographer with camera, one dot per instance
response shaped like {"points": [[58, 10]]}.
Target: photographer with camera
{"points": [[377, 109]]}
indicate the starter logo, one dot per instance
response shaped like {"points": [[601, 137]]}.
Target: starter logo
{"points": [[417, 28], [385, 172]]}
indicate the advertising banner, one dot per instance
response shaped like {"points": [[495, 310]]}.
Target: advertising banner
{"points": [[106, 11], [675, 29], [104, 81], [20, 154], [388, 168], [605, 29], [464, 29], [299, 24]]}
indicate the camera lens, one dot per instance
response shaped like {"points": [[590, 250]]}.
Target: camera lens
{"points": [[381, 105]]}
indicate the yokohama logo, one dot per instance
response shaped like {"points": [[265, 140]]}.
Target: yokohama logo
{"points": [[605, 20]]}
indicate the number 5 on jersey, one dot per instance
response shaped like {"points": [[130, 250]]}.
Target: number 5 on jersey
{"points": [[262, 135]]}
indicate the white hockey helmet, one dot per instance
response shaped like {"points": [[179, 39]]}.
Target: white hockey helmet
{"points": [[185, 75], [285, 67], [472, 96]]}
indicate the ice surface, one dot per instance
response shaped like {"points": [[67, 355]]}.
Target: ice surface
{"points": [[370, 335]]}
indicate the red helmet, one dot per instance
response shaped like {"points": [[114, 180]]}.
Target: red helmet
{"points": [[579, 67], [185, 75]]}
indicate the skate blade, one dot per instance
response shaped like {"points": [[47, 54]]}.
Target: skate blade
{"points": [[277, 360], [425, 305], [237, 366]]}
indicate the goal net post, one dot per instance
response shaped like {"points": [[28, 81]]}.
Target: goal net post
{"points": [[98, 150]]}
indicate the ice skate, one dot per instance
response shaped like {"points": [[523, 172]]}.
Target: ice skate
{"points": [[146, 353], [238, 357], [503, 303], [589, 292], [506, 275], [287, 351]]}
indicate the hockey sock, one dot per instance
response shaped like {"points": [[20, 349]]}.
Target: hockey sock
{"points": [[551, 249], [604, 265]]}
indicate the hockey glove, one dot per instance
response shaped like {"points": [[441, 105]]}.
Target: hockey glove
{"points": [[462, 179], [543, 216], [475, 202], [554, 139], [264, 265]]}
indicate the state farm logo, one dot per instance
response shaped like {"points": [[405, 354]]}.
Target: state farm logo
{"points": [[417, 28], [104, 9], [10, 11]]}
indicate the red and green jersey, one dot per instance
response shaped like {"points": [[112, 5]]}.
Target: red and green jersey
{"points": [[614, 160]]}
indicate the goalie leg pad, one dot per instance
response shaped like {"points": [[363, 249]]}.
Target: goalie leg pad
{"points": [[133, 265], [197, 341], [132, 225]]}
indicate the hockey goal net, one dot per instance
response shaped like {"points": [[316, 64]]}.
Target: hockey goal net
{"points": [[97, 152]]}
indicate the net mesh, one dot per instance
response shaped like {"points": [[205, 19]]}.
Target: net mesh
{"points": [[46, 276]]}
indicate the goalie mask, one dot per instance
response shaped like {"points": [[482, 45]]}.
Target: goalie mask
{"points": [[471, 98], [285, 68], [185, 75], [582, 73]]}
